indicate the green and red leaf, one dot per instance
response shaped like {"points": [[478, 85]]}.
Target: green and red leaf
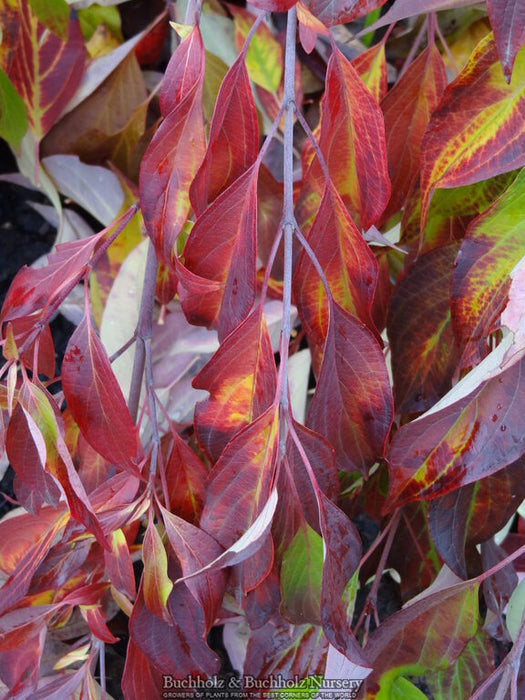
{"points": [[477, 130], [467, 440], [493, 245], [241, 379]]}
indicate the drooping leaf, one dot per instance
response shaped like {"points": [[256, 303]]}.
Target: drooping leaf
{"points": [[298, 502], [492, 247], [422, 343], [472, 437], [475, 132], [233, 141], [217, 283], [371, 66], [195, 549], [178, 648], [33, 290], [352, 141], [243, 475], [185, 478], [332, 12], [508, 24], [347, 262], [301, 575], [352, 404], [45, 69], [474, 513], [96, 401], [157, 585], [309, 28], [264, 56], [252, 545], [13, 114], [407, 109], [428, 634], [141, 678], [289, 650], [176, 150], [342, 552], [17, 584], [474, 664], [119, 564], [241, 379]]}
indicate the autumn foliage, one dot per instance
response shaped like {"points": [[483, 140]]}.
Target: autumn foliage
{"points": [[296, 382]]}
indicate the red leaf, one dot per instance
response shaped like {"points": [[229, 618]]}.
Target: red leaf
{"points": [[347, 262], [176, 150], [33, 290], [24, 327], [46, 70], [233, 143], [243, 475], [17, 584], [474, 513], [95, 399], [97, 625], [195, 549], [178, 649], [352, 140], [241, 379], [282, 649], [507, 19], [422, 343], [407, 109], [342, 547], [185, 477], [461, 443], [352, 405], [220, 250], [141, 678], [332, 12]]}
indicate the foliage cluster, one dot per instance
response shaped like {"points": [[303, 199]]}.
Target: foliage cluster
{"points": [[300, 331]]}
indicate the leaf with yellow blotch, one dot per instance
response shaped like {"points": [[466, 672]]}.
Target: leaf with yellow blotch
{"points": [[347, 262], [264, 56], [371, 66], [233, 142], [157, 584], [241, 379], [461, 443], [352, 141], [407, 109], [476, 131], [493, 245], [424, 356], [243, 475]]}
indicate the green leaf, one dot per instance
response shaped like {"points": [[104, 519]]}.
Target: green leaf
{"points": [[403, 689], [95, 15], [53, 14], [301, 575], [13, 114]]}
